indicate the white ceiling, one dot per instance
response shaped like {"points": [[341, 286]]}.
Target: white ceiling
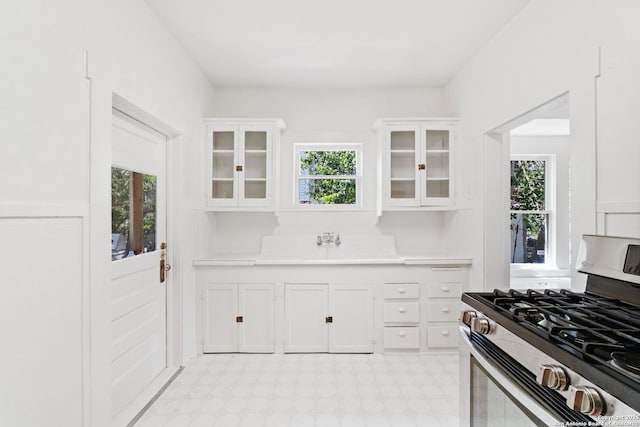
{"points": [[333, 43]]}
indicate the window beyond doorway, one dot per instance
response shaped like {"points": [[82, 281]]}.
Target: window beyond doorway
{"points": [[531, 210]]}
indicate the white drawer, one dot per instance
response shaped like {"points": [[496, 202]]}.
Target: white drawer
{"points": [[443, 311], [447, 274], [401, 312], [398, 337], [401, 290], [442, 336], [444, 290]]}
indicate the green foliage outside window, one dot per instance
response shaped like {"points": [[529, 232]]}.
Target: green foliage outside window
{"points": [[528, 192], [328, 191], [121, 203]]}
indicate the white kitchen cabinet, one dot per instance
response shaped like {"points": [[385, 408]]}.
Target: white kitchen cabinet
{"points": [[351, 309], [401, 316], [336, 318], [444, 288], [241, 157], [417, 163], [239, 318]]}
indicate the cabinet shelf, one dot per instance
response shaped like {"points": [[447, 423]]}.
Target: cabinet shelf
{"points": [[222, 151], [221, 179], [437, 178], [403, 179], [438, 151]]}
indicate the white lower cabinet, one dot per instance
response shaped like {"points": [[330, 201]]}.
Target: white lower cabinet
{"points": [[239, 318], [349, 308], [335, 318], [444, 288], [401, 315]]}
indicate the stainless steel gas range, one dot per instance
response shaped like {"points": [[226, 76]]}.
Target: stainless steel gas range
{"points": [[557, 358]]}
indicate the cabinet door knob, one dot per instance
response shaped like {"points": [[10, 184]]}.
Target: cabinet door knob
{"points": [[239, 168], [402, 334], [445, 289], [402, 309], [421, 166], [401, 290], [445, 309], [445, 333]]}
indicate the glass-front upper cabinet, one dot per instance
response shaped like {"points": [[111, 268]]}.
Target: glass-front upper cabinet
{"points": [[416, 156], [240, 163]]}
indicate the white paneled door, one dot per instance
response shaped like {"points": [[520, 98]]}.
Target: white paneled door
{"points": [[220, 327], [305, 318], [351, 308], [138, 285], [256, 306], [239, 318], [335, 318]]}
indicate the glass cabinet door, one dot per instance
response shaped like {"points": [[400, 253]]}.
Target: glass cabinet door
{"points": [[239, 172], [254, 173], [403, 155], [436, 172], [223, 145]]}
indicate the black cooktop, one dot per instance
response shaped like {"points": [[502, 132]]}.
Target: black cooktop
{"points": [[595, 336]]}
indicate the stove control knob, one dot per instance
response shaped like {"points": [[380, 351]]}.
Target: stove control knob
{"points": [[586, 400], [553, 377], [467, 316], [481, 325]]}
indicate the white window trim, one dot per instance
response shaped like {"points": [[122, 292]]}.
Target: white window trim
{"points": [[298, 147], [550, 264]]}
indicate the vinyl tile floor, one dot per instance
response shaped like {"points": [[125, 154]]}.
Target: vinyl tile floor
{"points": [[314, 390]]}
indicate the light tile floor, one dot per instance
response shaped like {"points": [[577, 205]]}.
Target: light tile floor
{"points": [[321, 390]]}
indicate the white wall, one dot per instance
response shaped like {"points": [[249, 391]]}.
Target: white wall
{"points": [[548, 49], [328, 116], [55, 169]]}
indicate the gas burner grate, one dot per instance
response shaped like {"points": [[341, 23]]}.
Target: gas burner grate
{"points": [[589, 326]]}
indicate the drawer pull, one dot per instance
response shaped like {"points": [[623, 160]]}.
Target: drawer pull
{"points": [[445, 309], [402, 290], [402, 334], [402, 309], [445, 333], [445, 289]]}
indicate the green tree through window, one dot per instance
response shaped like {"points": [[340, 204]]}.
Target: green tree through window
{"points": [[529, 216], [327, 177], [122, 217]]}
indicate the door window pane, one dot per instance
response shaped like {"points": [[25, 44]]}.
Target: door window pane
{"points": [[133, 213]]}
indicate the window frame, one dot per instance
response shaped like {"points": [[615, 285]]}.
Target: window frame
{"points": [[550, 190], [303, 146]]}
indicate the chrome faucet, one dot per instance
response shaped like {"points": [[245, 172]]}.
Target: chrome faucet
{"points": [[328, 238]]}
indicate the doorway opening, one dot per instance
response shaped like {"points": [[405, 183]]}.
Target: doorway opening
{"points": [[528, 199], [145, 310]]}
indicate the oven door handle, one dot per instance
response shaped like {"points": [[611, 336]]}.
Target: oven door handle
{"points": [[515, 390]]}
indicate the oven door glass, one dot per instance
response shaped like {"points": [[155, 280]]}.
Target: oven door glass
{"points": [[492, 405]]}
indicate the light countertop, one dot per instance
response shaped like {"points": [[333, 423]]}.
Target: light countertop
{"points": [[258, 260]]}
